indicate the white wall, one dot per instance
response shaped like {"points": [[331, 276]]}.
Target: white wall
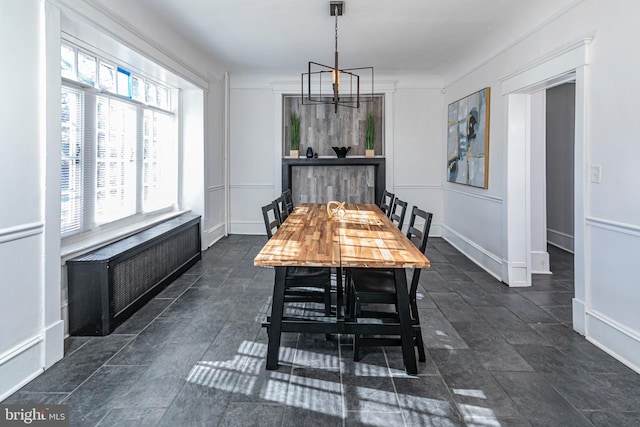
{"points": [[254, 181], [31, 332], [418, 116], [413, 149], [31, 307], [606, 291]]}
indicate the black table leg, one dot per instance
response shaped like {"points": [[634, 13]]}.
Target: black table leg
{"points": [[275, 326], [402, 296]]}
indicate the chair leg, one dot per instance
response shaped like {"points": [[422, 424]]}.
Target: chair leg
{"points": [[327, 299], [417, 331], [356, 337]]}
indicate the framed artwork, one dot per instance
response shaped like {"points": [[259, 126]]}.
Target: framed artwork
{"points": [[468, 140]]}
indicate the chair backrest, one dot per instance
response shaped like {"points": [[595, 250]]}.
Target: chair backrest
{"points": [[282, 208], [288, 200], [386, 202], [271, 216], [419, 236], [398, 218]]}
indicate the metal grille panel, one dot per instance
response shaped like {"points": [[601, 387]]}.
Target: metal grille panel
{"points": [[134, 276]]}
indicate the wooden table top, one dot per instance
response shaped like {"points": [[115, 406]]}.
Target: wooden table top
{"points": [[365, 237]]}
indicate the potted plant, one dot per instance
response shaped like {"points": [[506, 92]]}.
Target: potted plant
{"points": [[294, 135], [369, 135]]}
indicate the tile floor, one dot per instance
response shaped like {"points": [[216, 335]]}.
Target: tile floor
{"points": [[195, 355]]}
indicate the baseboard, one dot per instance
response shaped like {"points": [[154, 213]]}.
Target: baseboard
{"points": [[578, 317], [540, 262], [434, 231], [483, 258], [515, 274], [53, 343], [616, 340], [561, 240], [213, 234], [247, 227], [20, 365]]}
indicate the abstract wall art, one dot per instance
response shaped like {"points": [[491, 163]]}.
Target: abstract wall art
{"points": [[468, 140]]}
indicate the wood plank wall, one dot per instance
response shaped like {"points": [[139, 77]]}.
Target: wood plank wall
{"points": [[321, 184], [321, 128]]}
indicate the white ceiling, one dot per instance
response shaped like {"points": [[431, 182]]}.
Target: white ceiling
{"points": [[435, 37]]}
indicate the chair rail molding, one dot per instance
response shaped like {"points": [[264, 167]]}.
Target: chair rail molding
{"points": [[21, 231]]}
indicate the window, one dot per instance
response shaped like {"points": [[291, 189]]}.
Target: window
{"points": [[119, 155], [115, 160], [71, 182]]}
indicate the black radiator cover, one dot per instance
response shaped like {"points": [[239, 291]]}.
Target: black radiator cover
{"points": [[108, 285]]}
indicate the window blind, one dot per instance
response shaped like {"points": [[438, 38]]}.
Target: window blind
{"points": [[72, 147]]}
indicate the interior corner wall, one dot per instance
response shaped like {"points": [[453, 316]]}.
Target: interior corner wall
{"points": [[611, 226], [418, 153], [252, 153], [413, 135], [214, 219], [560, 138]]}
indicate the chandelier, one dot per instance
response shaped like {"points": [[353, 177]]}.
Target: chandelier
{"points": [[321, 84]]}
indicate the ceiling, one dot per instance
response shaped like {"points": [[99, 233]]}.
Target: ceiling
{"points": [[434, 37]]}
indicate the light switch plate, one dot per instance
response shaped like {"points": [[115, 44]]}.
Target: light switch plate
{"points": [[596, 174]]}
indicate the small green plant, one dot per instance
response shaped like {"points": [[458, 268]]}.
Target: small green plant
{"points": [[369, 132], [295, 131]]}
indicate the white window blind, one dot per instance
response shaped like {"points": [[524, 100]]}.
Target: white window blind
{"points": [[159, 173], [72, 148], [115, 160]]}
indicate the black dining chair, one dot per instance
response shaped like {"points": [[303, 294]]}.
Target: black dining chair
{"points": [[398, 217], [271, 216], [282, 208], [386, 202], [303, 284], [375, 290], [288, 200]]}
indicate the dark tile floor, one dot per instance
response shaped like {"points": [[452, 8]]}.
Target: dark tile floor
{"points": [[195, 355]]}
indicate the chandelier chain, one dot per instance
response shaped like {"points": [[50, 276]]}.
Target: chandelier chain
{"points": [[336, 13]]}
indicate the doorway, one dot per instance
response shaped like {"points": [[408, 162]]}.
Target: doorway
{"points": [[557, 68], [552, 169]]}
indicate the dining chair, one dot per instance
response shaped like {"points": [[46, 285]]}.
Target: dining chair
{"points": [[271, 216], [377, 286], [398, 218], [386, 202], [303, 284], [288, 199], [282, 208]]}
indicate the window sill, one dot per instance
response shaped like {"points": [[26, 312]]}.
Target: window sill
{"points": [[86, 243]]}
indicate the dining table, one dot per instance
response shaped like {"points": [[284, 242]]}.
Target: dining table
{"points": [[353, 236]]}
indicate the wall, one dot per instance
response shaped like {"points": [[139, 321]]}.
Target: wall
{"points": [[413, 150], [606, 294], [560, 166], [32, 332]]}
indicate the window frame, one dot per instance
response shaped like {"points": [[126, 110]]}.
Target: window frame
{"points": [[90, 94]]}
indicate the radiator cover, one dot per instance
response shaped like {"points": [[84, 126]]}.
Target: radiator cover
{"points": [[108, 285]]}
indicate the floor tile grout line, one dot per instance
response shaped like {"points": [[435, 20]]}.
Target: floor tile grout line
{"points": [[342, 395], [395, 389]]}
